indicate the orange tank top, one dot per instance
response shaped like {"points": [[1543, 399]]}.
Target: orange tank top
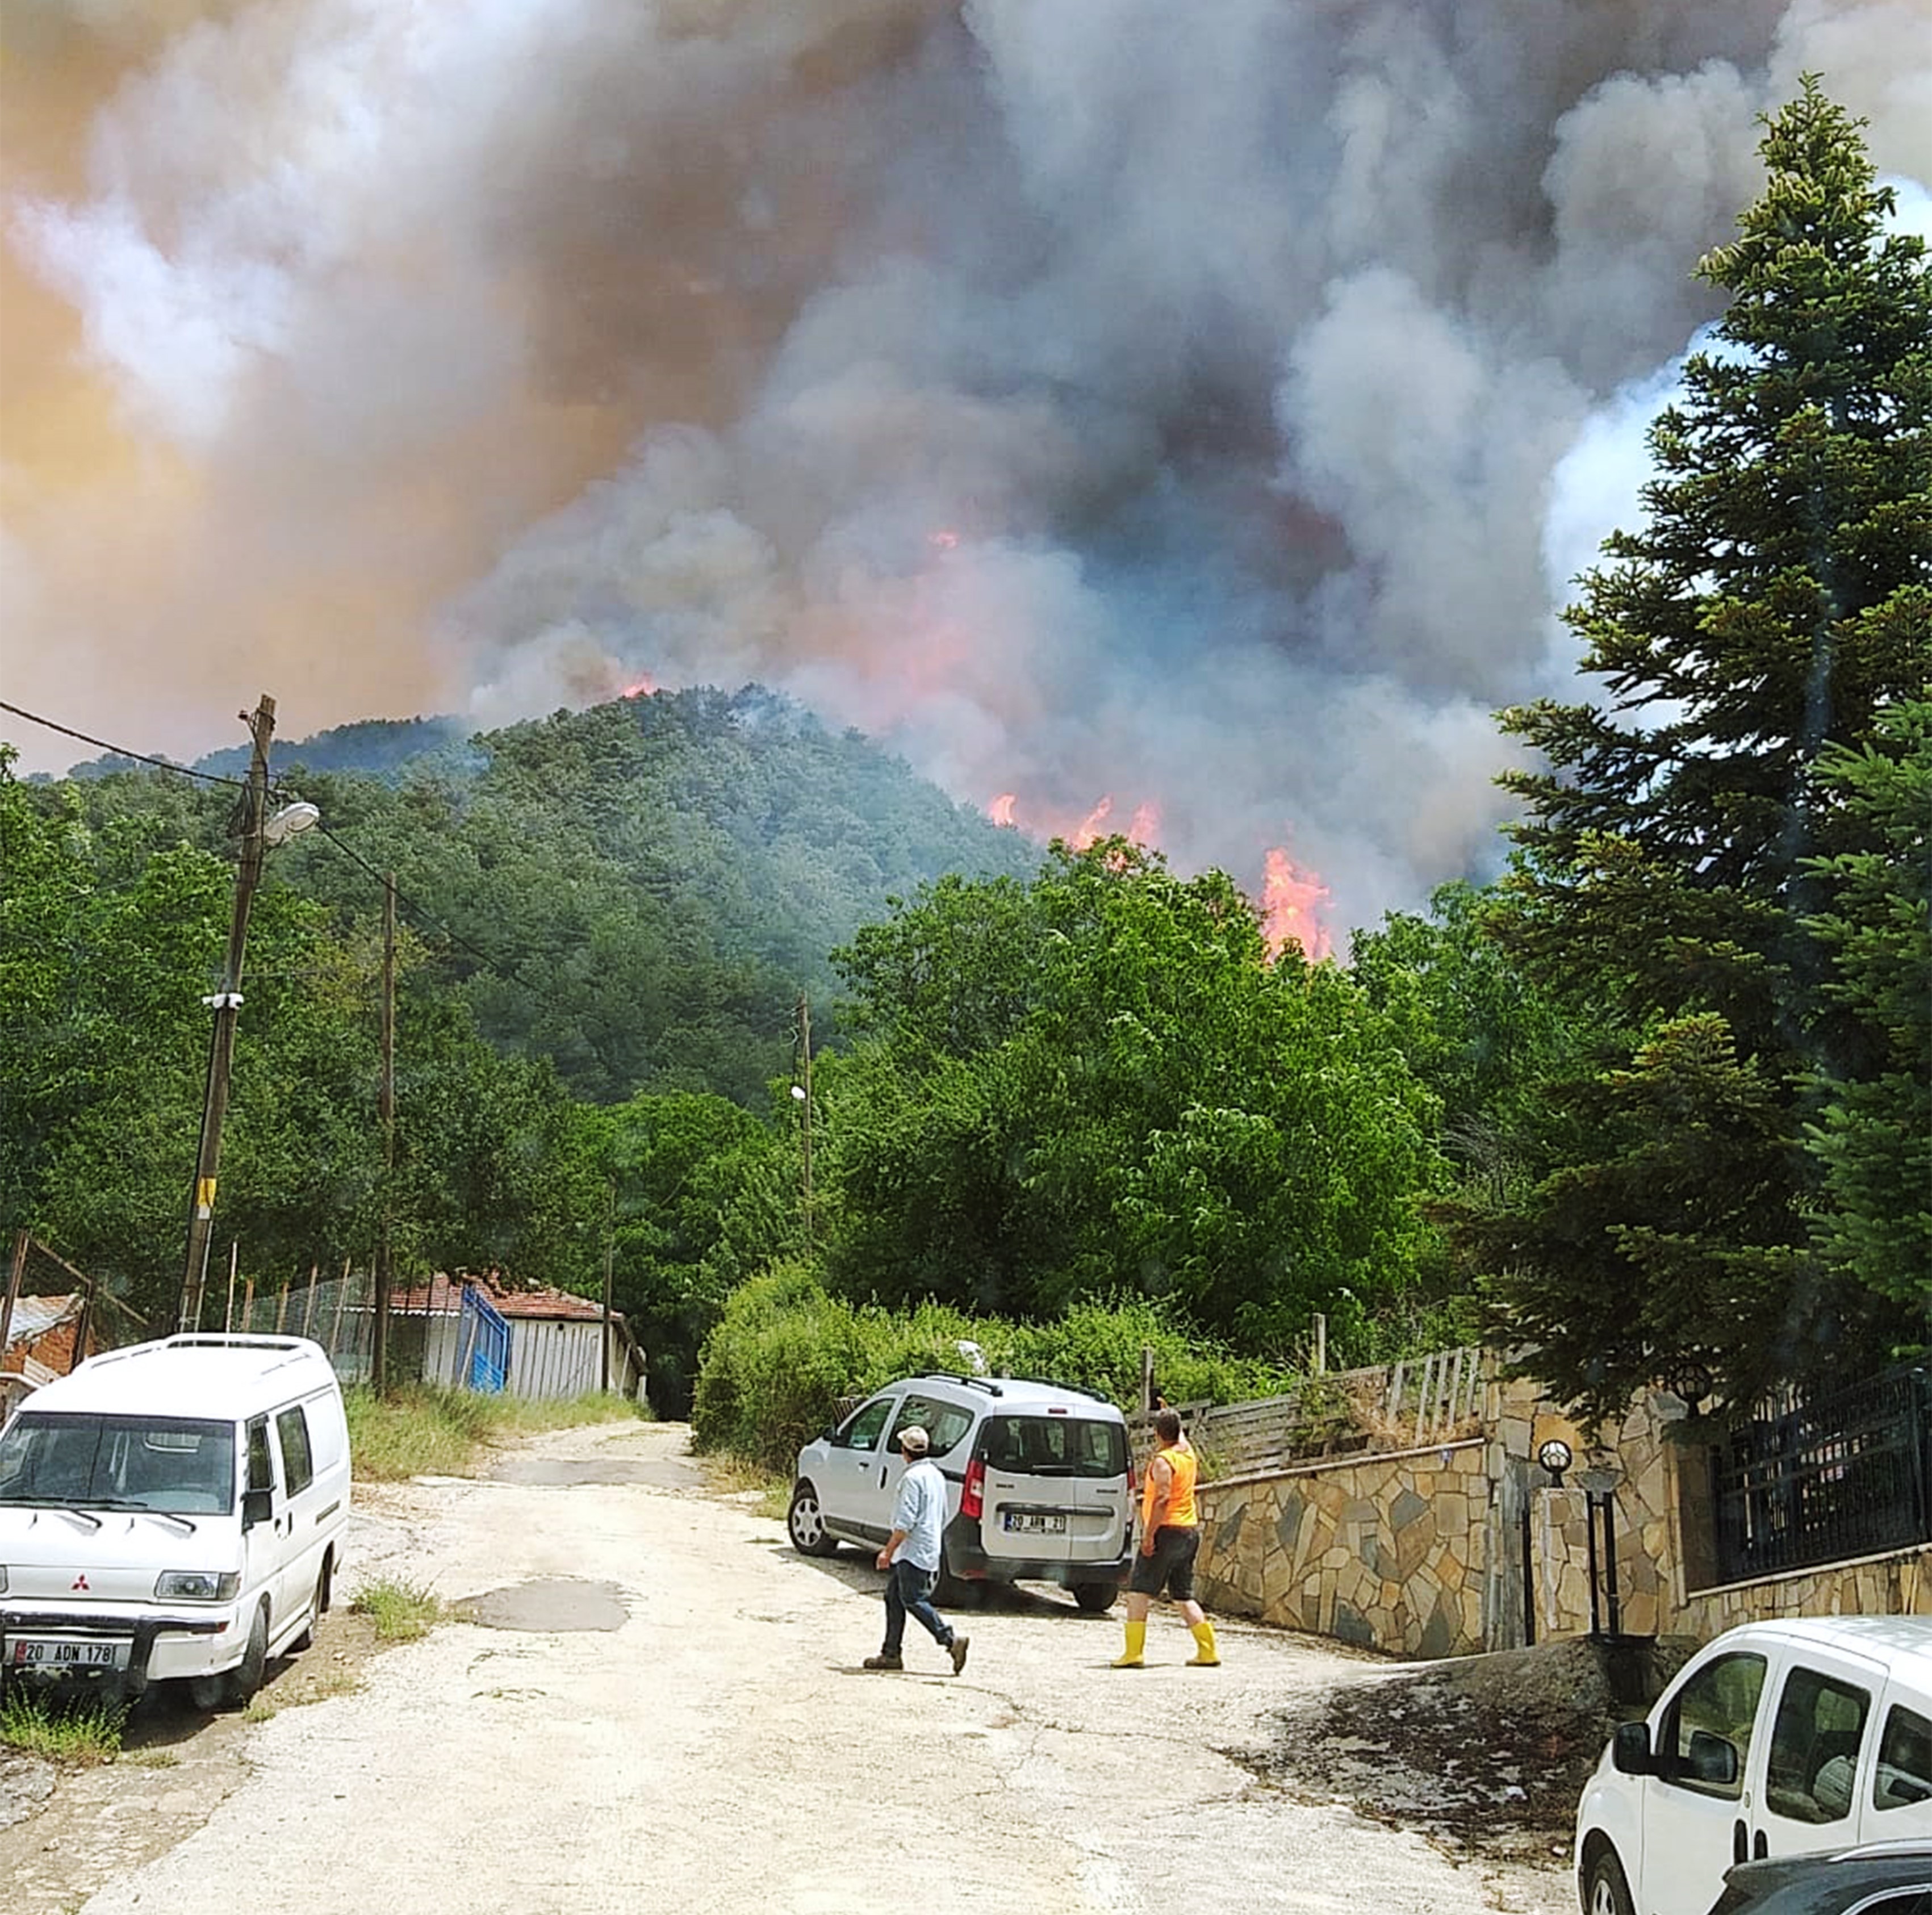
{"points": [[1181, 1513]]}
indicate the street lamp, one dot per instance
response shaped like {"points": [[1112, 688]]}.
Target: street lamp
{"points": [[258, 832]]}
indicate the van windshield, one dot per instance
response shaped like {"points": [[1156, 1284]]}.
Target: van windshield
{"points": [[171, 1466]]}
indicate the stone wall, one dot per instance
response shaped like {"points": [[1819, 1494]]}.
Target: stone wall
{"points": [[1387, 1551], [1445, 1551]]}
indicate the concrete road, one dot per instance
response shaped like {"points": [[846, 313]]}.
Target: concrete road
{"points": [[660, 1707]]}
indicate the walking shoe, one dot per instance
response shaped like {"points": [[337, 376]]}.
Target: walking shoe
{"points": [[883, 1662], [957, 1648]]}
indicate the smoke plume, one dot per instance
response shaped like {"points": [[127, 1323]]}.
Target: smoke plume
{"points": [[1098, 398]]}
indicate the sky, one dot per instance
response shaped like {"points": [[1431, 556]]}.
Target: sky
{"points": [[1201, 409]]}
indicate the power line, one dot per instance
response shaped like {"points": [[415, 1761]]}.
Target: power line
{"points": [[419, 912], [121, 751]]}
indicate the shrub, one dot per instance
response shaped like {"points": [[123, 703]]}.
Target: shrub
{"points": [[773, 1370]]}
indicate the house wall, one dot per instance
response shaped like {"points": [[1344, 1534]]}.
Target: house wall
{"points": [[550, 1359]]}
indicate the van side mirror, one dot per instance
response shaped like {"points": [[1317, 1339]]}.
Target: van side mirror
{"points": [[1710, 1759], [1630, 1750], [257, 1506]]}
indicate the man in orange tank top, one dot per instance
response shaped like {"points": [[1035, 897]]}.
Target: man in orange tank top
{"points": [[1170, 1536]]}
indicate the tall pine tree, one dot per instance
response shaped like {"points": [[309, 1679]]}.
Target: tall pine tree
{"points": [[1675, 857]]}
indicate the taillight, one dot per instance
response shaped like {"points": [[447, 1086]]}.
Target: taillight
{"points": [[972, 1496]]}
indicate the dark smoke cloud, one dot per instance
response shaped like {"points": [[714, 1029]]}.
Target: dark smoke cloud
{"points": [[1086, 396]]}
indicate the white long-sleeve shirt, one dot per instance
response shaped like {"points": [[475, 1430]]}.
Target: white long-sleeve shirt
{"points": [[920, 1513]]}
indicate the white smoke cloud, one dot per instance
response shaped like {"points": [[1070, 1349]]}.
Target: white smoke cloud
{"points": [[1203, 407]]}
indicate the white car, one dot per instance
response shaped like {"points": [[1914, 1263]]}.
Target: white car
{"points": [[1040, 1483], [173, 1510], [1778, 1738]]}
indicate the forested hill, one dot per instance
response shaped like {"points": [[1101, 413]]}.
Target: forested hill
{"points": [[640, 891]]}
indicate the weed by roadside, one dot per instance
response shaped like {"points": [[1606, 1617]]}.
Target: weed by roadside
{"points": [[419, 1431], [401, 1611], [81, 1732], [728, 1474]]}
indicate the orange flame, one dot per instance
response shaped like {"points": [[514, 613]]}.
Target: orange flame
{"points": [[1000, 811], [1291, 901], [643, 689], [1088, 829]]}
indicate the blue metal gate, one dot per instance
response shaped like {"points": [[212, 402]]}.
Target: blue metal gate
{"points": [[482, 1343]]}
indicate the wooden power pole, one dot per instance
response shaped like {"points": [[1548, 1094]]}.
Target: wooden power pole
{"points": [[227, 1005], [379, 1355]]}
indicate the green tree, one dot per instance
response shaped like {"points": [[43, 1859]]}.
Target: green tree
{"points": [[1099, 1084], [1675, 859], [1873, 1133], [704, 1194]]}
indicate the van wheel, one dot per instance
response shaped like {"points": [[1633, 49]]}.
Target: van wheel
{"points": [[804, 1522], [318, 1608], [1095, 1598], [1606, 1892], [245, 1678]]}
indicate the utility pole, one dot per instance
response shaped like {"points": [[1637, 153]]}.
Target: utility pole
{"points": [[379, 1355], [805, 1043], [227, 1005], [609, 1258]]}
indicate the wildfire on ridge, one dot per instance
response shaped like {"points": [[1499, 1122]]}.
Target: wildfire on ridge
{"points": [[1143, 828], [643, 689], [1290, 899], [1293, 898]]}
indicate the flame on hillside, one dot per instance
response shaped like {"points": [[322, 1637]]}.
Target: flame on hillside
{"points": [[1292, 899]]}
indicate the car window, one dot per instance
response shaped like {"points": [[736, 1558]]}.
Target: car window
{"points": [[1907, 1901], [1903, 1774], [1055, 1446], [862, 1431], [945, 1423], [292, 1426], [261, 1465], [1814, 1747], [1717, 1705]]}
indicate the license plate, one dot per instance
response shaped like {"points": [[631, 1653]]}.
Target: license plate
{"points": [[52, 1653], [1036, 1522]]}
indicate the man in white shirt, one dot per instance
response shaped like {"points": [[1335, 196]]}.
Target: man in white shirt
{"points": [[910, 1557]]}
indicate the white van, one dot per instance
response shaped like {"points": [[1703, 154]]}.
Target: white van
{"points": [[1778, 1738], [174, 1511]]}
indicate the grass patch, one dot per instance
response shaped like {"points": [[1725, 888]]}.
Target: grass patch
{"points": [[259, 1710], [150, 1758], [401, 1611], [729, 1474], [84, 1732], [420, 1431]]}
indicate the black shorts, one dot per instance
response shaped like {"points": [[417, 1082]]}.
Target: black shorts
{"points": [[1170, 1567]]}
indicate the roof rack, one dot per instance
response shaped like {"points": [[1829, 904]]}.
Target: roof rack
{"points": [[996, 1385], [991, 1385]]}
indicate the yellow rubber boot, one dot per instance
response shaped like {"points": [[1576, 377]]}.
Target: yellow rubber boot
{"points": [[1208, 1657], [1134, 1655]]}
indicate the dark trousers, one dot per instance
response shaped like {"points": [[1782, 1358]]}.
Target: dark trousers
{"points": [[909, 1592]]}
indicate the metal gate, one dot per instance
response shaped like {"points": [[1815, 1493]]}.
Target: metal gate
{"points": [[482, 1343], [1841, 1476]]}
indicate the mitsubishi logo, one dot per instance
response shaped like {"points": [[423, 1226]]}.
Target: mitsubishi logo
{"points": [[80, 1581]]}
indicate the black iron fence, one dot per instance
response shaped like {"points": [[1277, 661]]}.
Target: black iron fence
{"points": [[1824, 1480]]}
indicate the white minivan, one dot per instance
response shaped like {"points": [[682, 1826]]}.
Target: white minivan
{"points": [[1040, 1483], [1778, 1738], [174, 1510]]}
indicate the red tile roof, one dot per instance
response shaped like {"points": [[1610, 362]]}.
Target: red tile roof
{"points": [[442, 1296]]}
